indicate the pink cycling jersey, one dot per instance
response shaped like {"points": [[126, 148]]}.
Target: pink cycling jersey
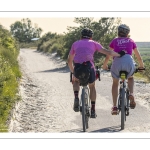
{"points": [[123, 43], [84, 50]]}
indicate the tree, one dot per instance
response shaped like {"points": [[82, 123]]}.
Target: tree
{"points": [[104, 31], [24, 31]]}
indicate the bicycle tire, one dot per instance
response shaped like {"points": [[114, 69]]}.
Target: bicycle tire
{"points": [[127, 102], [122, 108], [83, 110], [87, 103], [119, 100]]}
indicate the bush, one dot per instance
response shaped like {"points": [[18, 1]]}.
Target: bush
{"points": [[9, 75]]}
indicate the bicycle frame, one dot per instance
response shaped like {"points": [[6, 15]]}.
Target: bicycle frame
{"points": [[85, 104], [123, 98]]}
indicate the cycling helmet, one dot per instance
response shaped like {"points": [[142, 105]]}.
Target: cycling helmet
{"points": [[86, 33], [123, 30]]}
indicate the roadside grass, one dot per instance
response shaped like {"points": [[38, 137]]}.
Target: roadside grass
{"points": [[145, 54], [33, 47], [10, 75], [140, 77], [9, 80]]}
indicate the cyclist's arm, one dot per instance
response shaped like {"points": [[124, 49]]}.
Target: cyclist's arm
{"points": [[107, 58], [138, 56], [70, 62], [109, 52]]}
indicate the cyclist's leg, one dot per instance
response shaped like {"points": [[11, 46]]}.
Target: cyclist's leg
{"points": [[76, 95], [76, 88], [114, 110], [131, 84], [76, 84], [115, 91], [131, 69], [93, 99], [92, 91], [131, 90]]}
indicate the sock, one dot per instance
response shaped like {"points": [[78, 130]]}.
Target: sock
{"points": [[92, 105], [76, 94]]}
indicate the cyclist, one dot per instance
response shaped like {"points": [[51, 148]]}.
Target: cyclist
{"points": [[83, 51], [125, 63]]}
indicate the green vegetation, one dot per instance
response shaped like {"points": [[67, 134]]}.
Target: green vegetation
{"points": [[24, 32], [32, 44], [21, 34], [145, 53], [9, 76], [104, 31]]}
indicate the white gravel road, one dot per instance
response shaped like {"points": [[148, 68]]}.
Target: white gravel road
{"points": [[47, 100]]}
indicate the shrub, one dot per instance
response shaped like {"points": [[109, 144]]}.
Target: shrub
{"points": [[9, 75]]}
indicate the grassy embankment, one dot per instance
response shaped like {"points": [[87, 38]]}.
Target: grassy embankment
{"points": [[145, 76], [9, 76]]}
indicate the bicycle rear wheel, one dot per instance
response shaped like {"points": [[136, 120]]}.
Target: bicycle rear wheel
{"points": [[127, 102], [83, 110], [87, 107], [122, 108]]}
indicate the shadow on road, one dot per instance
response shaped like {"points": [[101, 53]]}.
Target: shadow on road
{"points": [[112, 129], [109, 129], [80, 130], [64, 69]]}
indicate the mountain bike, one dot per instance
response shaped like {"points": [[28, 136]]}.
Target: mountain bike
{"points": [[85, 104], [123, 97]]}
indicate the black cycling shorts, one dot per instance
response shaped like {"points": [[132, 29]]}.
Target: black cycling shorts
{"points": [[92, 77]]}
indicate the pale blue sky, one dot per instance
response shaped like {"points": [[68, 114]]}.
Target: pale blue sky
{"points": [[140, 27]]}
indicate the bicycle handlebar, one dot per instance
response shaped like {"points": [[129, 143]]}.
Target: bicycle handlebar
{"points": [[139, 69]]}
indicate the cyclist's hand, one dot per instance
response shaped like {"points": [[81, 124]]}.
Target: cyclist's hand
{"points": [[122, 53], [105, 67], [141, 69], [75, 79]]}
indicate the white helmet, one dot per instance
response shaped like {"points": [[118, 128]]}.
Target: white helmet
{"points": [[123, 29]]}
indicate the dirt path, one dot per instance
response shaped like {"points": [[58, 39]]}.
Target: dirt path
{"points": [[47, 100]]}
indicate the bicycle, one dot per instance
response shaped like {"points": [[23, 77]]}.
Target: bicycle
{"points": [[123, 97], [85, 104]]}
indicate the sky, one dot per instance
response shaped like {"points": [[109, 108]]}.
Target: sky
{"points": [[140, 27]]}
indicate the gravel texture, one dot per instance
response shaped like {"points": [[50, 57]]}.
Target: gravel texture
{"points": [[47, 100]]}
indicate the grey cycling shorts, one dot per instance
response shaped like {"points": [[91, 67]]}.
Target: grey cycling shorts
{"points": [[125, 63]]}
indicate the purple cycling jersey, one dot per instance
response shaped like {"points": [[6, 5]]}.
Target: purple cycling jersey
{"points": [[123, 43], [84, 49]]}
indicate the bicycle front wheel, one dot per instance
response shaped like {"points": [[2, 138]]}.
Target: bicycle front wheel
{"points": [[87, 107], [83, 110], [122, 108]]}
